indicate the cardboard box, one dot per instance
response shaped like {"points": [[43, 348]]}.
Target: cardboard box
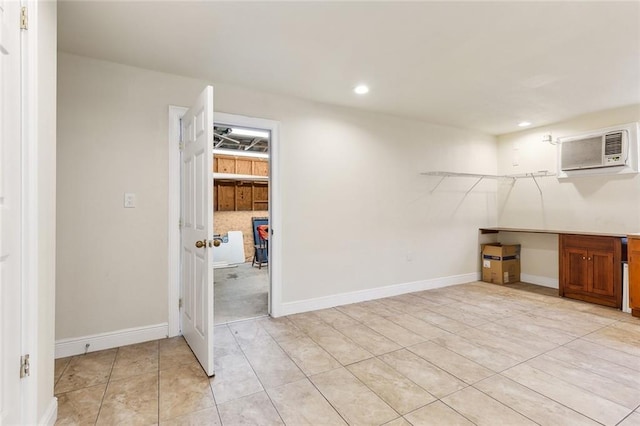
{"points": [[501, 263]]}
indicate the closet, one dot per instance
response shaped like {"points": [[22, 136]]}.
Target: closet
{"points": [[240, 183]]}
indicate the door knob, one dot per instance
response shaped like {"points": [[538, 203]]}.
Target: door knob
{"points": [[200, 244]]}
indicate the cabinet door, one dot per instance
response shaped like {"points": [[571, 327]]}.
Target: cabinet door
{"points": [[576, 269], [601, 276]]}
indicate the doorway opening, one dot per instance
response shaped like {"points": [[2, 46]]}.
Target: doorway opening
{"points": [[241, 176], [175, 290]]}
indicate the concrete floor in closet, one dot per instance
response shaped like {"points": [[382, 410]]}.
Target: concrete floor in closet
{"points": [[240, 292]]}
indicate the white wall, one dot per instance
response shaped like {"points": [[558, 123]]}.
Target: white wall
{"points": [[356, 213], [112, 139], [603, 203]]}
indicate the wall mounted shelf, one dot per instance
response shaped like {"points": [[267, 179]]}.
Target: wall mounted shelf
{"points": [[233, 176], [480, 177], [240, 183]]}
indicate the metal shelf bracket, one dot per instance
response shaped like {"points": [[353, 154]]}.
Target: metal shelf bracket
{"points": [[480, 177]]}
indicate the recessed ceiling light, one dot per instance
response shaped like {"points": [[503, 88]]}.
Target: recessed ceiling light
{"points": [[361, 89], [524, 124]]}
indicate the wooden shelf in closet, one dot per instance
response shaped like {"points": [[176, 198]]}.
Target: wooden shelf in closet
{"points": [[240, 183]]}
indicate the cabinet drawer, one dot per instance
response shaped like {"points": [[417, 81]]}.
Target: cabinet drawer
{"points": [[589, 242]]}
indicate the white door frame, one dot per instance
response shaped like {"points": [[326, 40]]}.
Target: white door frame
{"points": [[275, 214], [13, 144], [29, 242], [28, 140]]}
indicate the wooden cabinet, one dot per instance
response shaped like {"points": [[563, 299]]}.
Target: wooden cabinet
{"points": [[634, 274], [243, 192], [240, 165], [591, 269], [237, 195]]}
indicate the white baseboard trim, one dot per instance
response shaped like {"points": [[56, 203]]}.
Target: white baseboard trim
{"points": [[51, 413], [113, 339], [307, 305], [539, 280]]}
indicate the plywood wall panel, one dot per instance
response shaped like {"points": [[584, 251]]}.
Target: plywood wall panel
{"points": [[260, 192], [243, 166], [224, 165], [225, 221], [244, 196], [240, 165], [240, 195], [260, 168], [226, 196]]}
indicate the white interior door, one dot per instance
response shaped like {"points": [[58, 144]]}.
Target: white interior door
{"points": [[197, 228], [11, 390]]}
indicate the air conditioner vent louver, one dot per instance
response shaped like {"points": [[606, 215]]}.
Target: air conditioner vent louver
{"points": [[612, 150], [613, 143]]}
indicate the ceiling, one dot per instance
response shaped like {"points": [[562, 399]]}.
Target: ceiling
{"points": [[478, 65], [224, 138]]}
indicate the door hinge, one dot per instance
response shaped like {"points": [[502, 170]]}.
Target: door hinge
{"points": [[181, 146], [180, 303], [24, 22], [180, 223], [24, 366]]}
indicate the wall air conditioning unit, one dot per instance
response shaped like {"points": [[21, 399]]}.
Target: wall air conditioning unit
{"points": [[613, 150]]}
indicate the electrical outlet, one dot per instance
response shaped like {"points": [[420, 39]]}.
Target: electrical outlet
{"points": [[129, 200]]}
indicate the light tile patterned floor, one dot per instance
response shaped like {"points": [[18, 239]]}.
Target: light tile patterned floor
{"points": [[470, 354]]}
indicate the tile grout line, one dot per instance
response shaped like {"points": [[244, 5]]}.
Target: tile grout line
{"points": [[307, 336], [341, 364], [377, 357], [462, 355], [375, 331], [380, 396], [341, 334], [471, 421], [558, 378], [434, 366], [158, 376], [213, 396], [107, 384], [326, 399], [501, 375], [307, 377], [511, 408], [520, 363], [547, 353], [226, 325], [493, 375], [62, 372], [264, 388], [538, 393], [591, 372]]}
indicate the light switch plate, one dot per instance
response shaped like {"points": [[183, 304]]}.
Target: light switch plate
{"points": [[129, 200]]}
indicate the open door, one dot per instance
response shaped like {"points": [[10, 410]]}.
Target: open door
{"points": [[196, 198]]}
